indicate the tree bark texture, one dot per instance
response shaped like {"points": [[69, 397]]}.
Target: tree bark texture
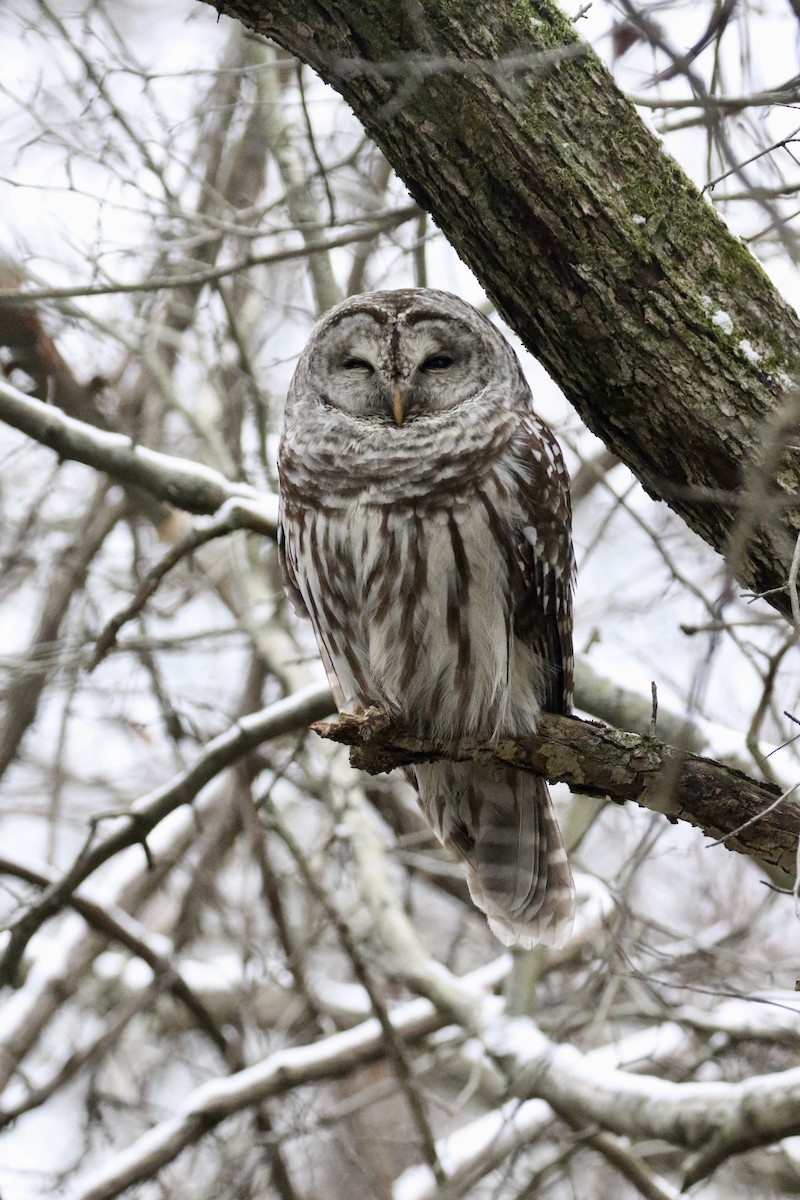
{"points": [[599, 761], [658, 324]]}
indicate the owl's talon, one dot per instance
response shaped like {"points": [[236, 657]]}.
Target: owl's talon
{"points": [[365, 723], [375, 720], [327, 729], [370, 720]]}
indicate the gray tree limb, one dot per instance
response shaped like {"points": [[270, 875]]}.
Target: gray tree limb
{"points": [[713, 1119], [753, 818], [133, 826]]}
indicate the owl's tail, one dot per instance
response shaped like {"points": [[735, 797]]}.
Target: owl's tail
{"points": [[502, 823]]}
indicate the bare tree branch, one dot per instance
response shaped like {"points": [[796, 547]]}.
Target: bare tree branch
{"points": [[142, 818], [117, 925], [735, 1116], [599, 761], [206, 1107], [24, 690], [232, 515], [363, 233]]}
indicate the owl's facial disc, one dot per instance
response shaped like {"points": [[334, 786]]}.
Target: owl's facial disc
{"points": [[396, 371]]}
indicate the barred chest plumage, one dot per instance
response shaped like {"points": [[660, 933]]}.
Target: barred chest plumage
{"points": [[413, 604]]}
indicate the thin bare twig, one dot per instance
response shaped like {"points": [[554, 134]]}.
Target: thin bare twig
{"points": [[231, 516], [137, 822], [365, 233]]}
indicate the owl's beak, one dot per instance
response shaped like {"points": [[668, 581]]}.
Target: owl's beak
{"points": [[398, 404]]}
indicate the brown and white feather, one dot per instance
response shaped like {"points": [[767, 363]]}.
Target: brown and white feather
{"points": [[434, 559]]}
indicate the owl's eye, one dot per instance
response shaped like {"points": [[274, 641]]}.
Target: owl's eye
{"points": [[357, 364], [437, 362]]}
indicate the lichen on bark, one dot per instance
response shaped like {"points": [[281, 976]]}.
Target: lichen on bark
{"points": [[598, 761]]}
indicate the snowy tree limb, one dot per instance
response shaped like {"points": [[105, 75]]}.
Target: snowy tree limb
{"points": [[412, 963], [117, 925], [717, 1118], [210, 1104], [599, 761], [51, 975], [480, 1146], [188, 485]]}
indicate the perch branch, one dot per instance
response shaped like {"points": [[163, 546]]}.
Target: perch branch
{"points": [[599, 761]]}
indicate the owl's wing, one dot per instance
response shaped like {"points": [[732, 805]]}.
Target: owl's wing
{"points": [[287, 564], [542, 595], [287, 515]]}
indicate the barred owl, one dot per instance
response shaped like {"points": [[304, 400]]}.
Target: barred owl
{"points": [[425, 530]]}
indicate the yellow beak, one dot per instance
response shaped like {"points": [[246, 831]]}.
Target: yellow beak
{"points": [[397, 404]]}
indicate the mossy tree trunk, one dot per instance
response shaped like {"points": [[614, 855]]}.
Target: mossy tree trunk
{"points": [[659, 326]]}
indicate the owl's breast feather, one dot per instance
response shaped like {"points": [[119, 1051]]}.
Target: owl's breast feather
{"points": [[431, 597]]}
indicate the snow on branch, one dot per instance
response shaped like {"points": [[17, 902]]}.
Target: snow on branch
{"points": [[480, 1146], [754, 818], [188, 485], [212, 1102], [114, 923], [713, 1119]]}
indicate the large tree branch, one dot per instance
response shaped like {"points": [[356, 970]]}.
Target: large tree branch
{"points": [[596, 760], [204, 1108], [659, 326]]}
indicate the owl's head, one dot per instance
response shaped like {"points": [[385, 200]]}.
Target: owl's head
{"points": [[393, 358]]}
